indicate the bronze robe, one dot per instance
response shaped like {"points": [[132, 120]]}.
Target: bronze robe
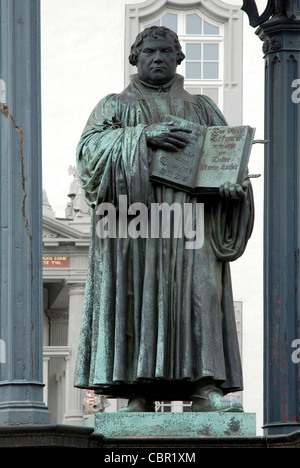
{"points": [[157, 317]]}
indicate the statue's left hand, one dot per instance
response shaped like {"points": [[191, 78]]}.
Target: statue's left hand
{"points": [[234, 191]]}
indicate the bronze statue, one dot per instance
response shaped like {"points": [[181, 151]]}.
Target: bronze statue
{"points": [[158, 320]]}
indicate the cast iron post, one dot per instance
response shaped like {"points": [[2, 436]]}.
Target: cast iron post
{"points": [[21, 362], [279, 29]]}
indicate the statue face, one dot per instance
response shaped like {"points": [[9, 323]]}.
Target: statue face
{"points": [[157, 61]]}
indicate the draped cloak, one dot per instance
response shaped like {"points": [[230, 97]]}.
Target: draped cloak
{"points": [[157, 317]]}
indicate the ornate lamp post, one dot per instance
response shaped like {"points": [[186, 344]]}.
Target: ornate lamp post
{"points": [[279, 29]]}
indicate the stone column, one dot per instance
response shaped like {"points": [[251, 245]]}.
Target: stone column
{"points": [[21, 307], [279, 29], [282, 224], [74, 396], [280, 32]]}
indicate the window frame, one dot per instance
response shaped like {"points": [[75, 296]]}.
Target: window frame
{"points": [[216, 11], [185, 38], [201, 84]]}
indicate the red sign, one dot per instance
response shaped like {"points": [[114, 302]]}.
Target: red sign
{"points": [[56, 262]]}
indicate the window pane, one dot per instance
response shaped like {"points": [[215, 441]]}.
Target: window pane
{"points": [[210, 29], [193, 24], [155, 23], [193, 70], [170, 21], [193, 52], [210, 70], [193, 90], [213, 93], [210, 51]]}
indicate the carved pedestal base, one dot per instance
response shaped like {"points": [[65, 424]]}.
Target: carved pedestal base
{"points": [[172, 424]]}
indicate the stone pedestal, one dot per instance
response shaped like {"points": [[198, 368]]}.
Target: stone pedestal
{"points": [[172, 424], [60, 436]]}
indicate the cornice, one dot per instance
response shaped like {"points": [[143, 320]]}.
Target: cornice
{"points": [[58, 231]]}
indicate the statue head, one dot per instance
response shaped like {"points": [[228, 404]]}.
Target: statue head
{"points": [[155, 32], [156, 52]]}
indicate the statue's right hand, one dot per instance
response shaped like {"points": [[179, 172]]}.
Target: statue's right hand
{"points": [[166, 136]]}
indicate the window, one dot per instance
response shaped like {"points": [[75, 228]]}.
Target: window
{"points": [[211, 35], [202, 43]]}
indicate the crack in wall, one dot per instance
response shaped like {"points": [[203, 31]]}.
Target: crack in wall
{"points": [[6, 113]]}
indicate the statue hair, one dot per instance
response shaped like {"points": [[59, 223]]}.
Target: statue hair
{"points": [[155, 32]]}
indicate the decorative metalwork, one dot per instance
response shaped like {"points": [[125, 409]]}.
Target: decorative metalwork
{"points": [[250, 8], [289, 9], [272, 45]]}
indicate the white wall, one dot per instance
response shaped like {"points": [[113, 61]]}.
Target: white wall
{"points": [[247, 272], [82, 61]]}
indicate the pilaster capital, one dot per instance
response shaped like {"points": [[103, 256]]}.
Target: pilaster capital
{"points": [[75, 288]]}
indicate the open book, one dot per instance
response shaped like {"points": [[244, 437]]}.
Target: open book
{"points": [[213, 156]]}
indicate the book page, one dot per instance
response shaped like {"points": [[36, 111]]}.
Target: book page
{"points": [[224, 157], [179, 168]]}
